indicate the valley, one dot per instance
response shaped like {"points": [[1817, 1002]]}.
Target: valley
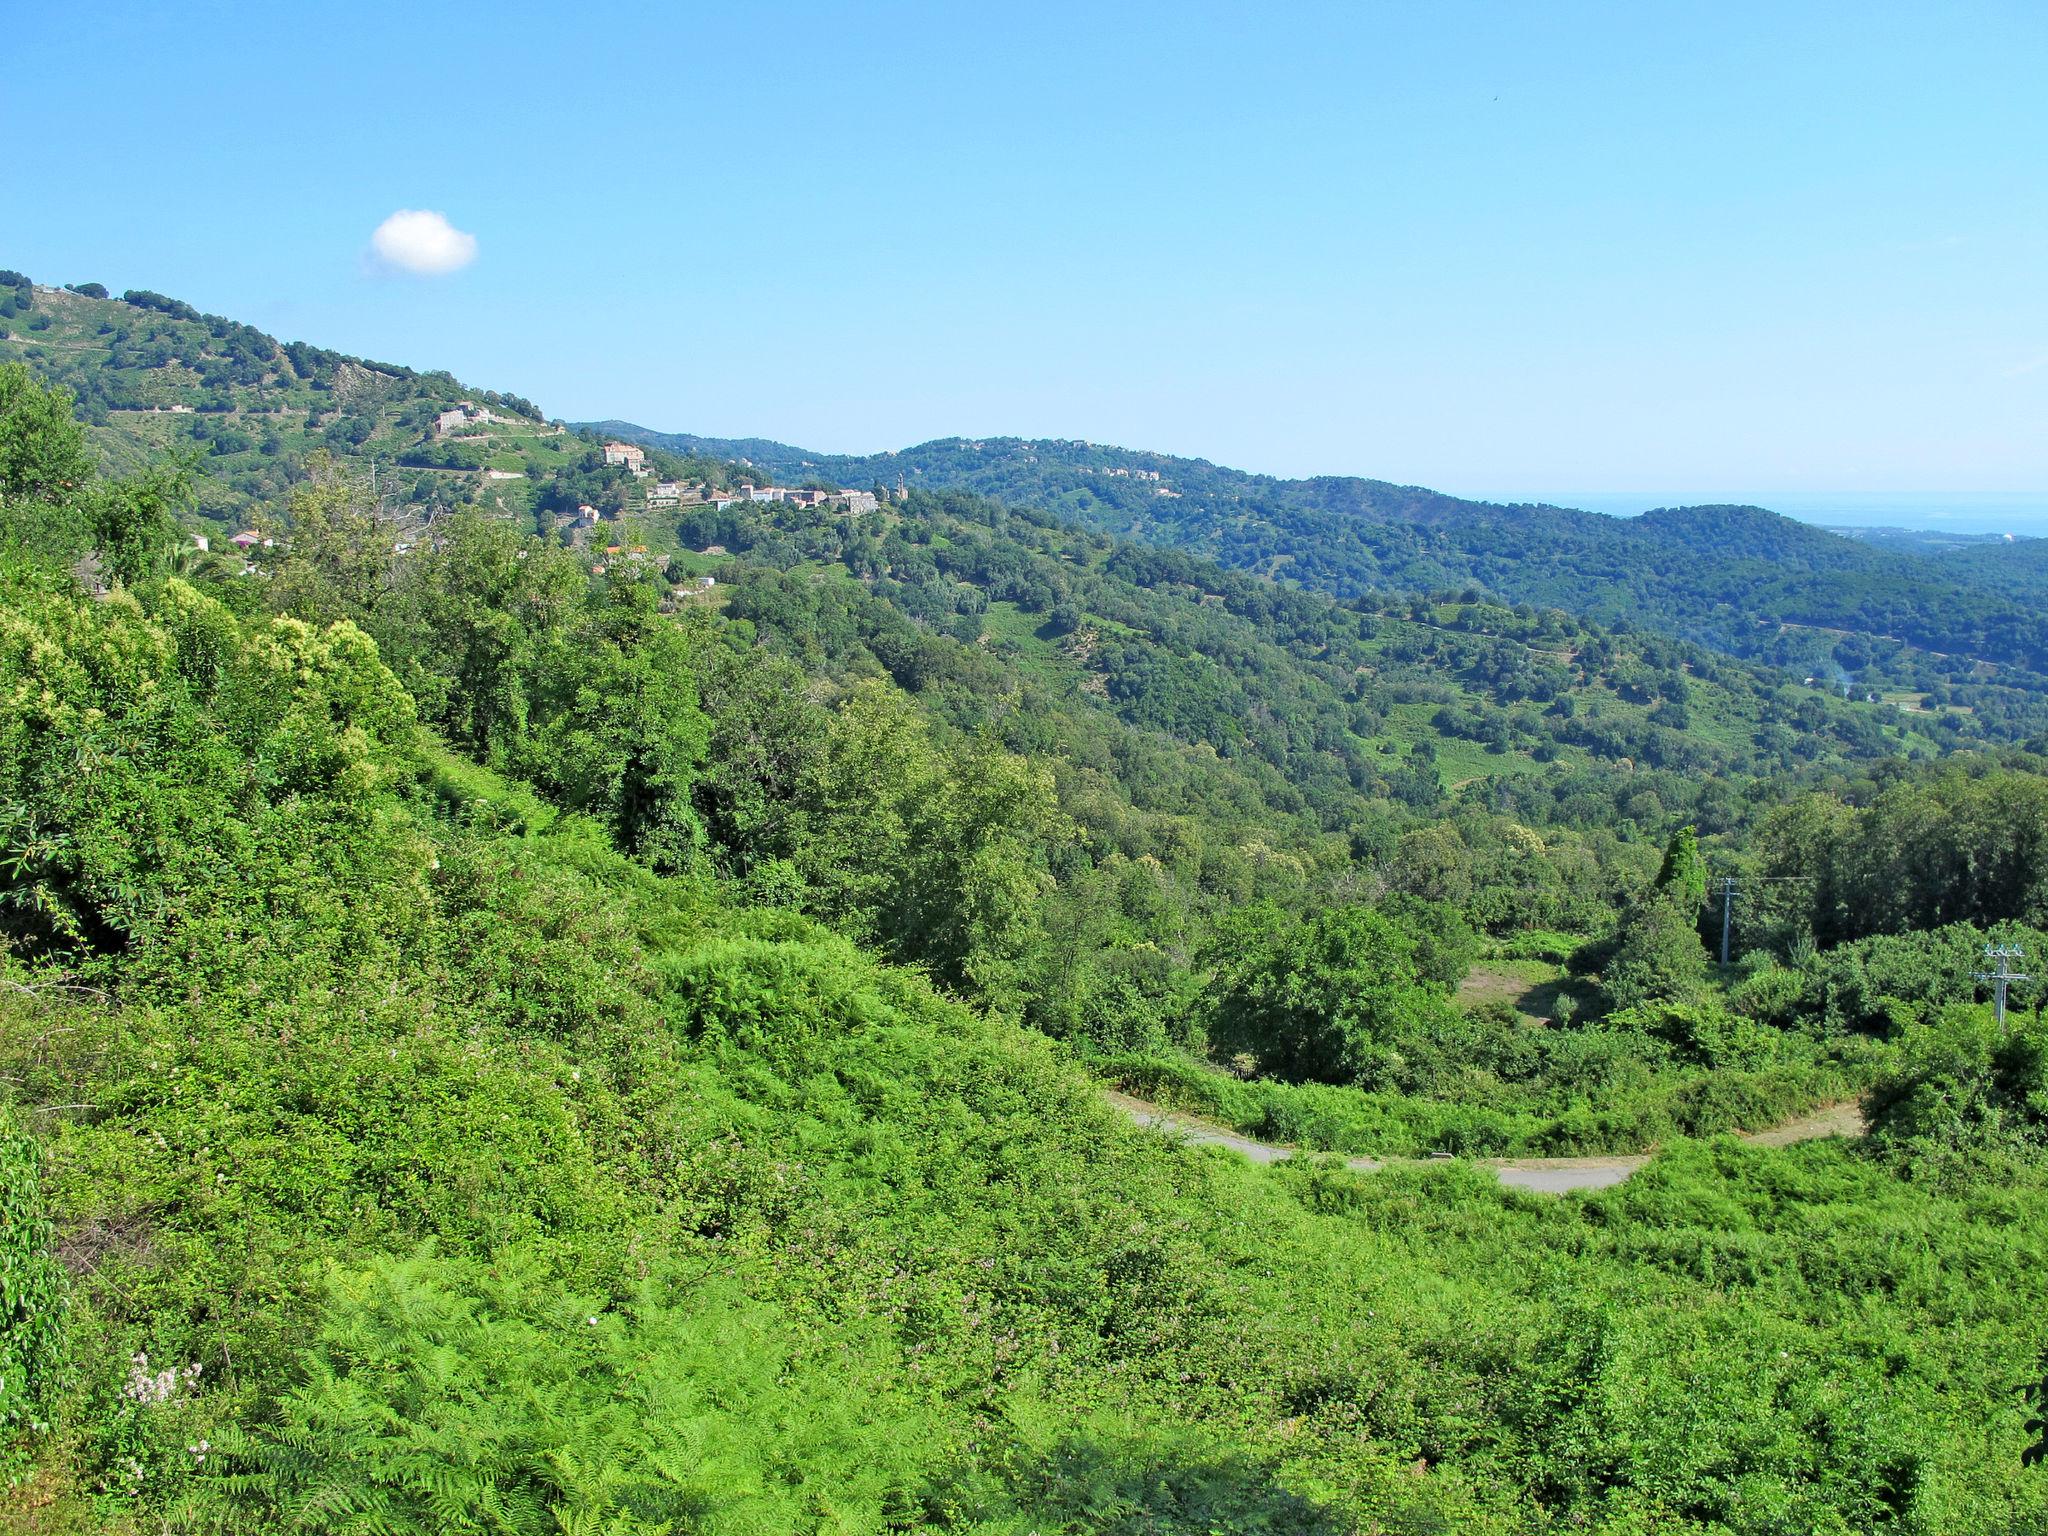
{"points": [[562, 979]]}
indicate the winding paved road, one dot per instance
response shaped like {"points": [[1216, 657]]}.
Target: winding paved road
{"points": [[1552, 1175]]}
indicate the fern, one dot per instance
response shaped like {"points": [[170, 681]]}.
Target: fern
{"points": [[441, 1398]]}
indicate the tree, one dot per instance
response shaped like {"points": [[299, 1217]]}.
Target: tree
{"points": [[1332, 999], [1963, 1082], [475, 607], [765, 732], [1433, 864], [1684, 871], [1660, 955], [54, 507], [338, 561], [42, 450], [612, 725]]}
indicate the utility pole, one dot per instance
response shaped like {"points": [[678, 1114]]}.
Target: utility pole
{"points": [[1727, 913], [2003, 977]]}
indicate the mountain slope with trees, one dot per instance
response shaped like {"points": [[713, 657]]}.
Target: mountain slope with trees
{"points": [[459, 1072], [1958, 631], [1740, 579]]}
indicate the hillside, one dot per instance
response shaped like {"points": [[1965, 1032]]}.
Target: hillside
{"points": [[1319, 708], [1728, 577], [154, 378], [2018, 569], [481, 1053], [1468, 694]]}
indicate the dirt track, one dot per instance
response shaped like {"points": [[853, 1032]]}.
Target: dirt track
{"points": [[1552, 1175]]}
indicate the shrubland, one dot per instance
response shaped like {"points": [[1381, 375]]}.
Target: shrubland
{"points": [[483, 1053]]}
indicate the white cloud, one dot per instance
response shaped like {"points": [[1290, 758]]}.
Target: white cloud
{"points": [[416, 240]]}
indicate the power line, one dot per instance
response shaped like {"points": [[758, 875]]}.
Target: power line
{"points": [[2004, 976]]}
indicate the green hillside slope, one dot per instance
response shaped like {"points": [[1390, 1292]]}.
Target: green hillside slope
{"points": [[479, 1053], [155, 378], [1330, 700]]}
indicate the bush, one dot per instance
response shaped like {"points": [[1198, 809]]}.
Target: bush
{"points": [[1770, 994], [1878, 986], [1338, 999], [1961, 1082], [1698, 1033], [1659, 956], [1536, 944]]}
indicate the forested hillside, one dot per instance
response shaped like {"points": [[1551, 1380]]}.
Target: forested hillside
{"points": [[498, 1035], [156, 380], [1741, 580], [2018, 569], [1949, 637]]}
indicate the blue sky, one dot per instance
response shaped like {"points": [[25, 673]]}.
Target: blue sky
{"points": [[1500, 248]]}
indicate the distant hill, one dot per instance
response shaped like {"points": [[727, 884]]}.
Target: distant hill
{"points": [[1732, 578], [1288, 700], [2018, 568]]}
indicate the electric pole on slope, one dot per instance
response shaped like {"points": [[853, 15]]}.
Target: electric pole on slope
{"points": [[2004, 976], [1731, 887]]}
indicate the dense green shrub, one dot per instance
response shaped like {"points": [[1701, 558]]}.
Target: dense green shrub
{"points": [[451, 1399], [1338, 998], [1961, 1081], [1535, 944], [1881, 985], [1659, 956]]}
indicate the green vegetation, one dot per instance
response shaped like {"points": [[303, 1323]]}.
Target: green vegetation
{"points": [[155, 380], [1963, 629], [1346, 996], [32, 1300], [488, 1048]]}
